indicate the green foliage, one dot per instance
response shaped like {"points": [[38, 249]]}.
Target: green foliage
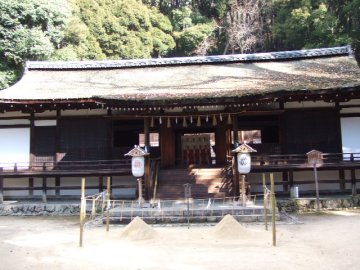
{"points": [[30, 29], [125, 29], [8, 75], [192, 37], [309, 24]]}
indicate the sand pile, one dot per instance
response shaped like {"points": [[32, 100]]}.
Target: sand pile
{"points": [[137, 229], [229, 227]]}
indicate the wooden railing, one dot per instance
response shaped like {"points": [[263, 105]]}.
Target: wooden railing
{"points": [[300, 160]]}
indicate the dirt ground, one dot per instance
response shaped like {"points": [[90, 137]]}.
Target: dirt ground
{"points": [[326, 241]]}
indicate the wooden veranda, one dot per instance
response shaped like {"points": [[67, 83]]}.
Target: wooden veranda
{"points": [[342, 166]]}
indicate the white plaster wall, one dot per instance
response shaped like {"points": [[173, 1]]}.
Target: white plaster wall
{"points": [[308, 104], [50, 182], [46, 114], [255, 180], [84, 112], [16, 182], [124, 180], [44, 123], [350, 134], [14, 114], [14, 148], [350, 110], [351, 102], [4, 122]]}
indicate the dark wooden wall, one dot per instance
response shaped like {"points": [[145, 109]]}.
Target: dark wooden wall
{"points": [[304, 130]]}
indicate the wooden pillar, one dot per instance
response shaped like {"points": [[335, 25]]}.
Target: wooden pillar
{"points": [[342, 180], [285, 178], [291, 179], [147, 173], [32, 156], [353, 178], [31, 186], [235, 130], [57, 185], [167, 146], [1, 188], [221, 143], [101, 185], [236, 186], [57, 157], [109, 134], [234, 160], [44, 190], [147, 132]]}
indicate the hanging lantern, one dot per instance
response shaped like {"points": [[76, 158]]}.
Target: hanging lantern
{"points": [[198, 124], [184, 122], [214, 122], [168, 124], [152, 122], [229, 122]]}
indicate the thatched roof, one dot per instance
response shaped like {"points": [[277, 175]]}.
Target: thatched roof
{"points": [[190, 78]]}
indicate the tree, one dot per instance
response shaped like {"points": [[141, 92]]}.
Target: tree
{"points": [[29, 30], [126, 28], [246, 23]]}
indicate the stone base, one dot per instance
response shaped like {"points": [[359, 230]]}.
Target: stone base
{"points": [[309, 204]]}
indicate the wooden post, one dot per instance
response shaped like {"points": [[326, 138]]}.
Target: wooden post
{"points": [[57, 186], [265, 202], [101, 187], [1, 188], [82, 210], [31, 186], [235, 177], [243, 191], [32, 141], [273, 207], [317, 189], [342, 180], [108, 203], [291, 179], [140, 192], [353, 178], [93, 209], [44, 186], [285, 178]]}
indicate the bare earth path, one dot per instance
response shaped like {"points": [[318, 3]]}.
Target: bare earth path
{"points": [[329, 241]]}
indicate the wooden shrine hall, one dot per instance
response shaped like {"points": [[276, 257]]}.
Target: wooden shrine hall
{"points": [[66, 120]]}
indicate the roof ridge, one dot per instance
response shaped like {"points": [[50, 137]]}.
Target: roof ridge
{"points": [[266, 56]]}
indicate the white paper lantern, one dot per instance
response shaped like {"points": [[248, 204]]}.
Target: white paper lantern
{"points": [[244, 163], [138, 166]]}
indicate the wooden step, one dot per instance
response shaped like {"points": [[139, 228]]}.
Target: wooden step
{"points": [[206, 183]]}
